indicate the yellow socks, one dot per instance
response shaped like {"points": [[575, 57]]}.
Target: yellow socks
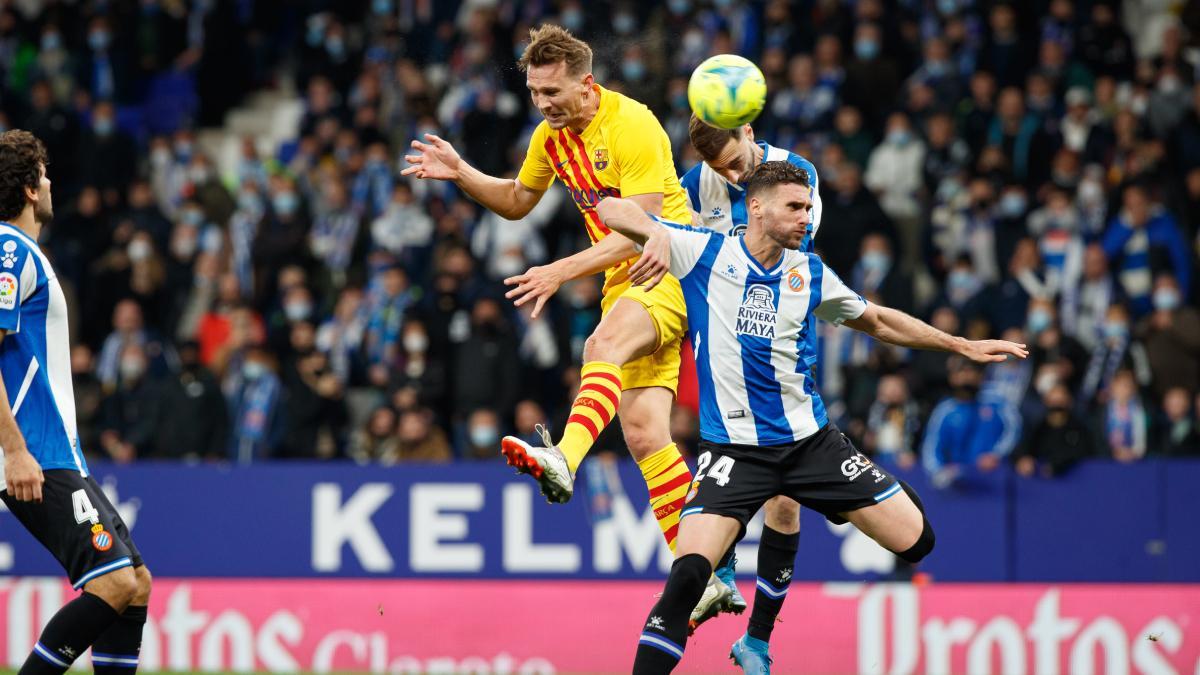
{"points": [[594, 407], [668, 478]]}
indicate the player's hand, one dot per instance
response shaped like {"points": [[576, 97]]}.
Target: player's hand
{"points": [[654, 263], [992, 351], [24, 476], [537, 284], [437, 159]]}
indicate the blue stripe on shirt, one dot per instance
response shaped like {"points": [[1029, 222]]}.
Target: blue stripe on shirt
{"points": [[695, 287], [762, 387]]}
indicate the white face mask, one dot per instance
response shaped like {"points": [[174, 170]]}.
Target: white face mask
{"points": [[139, 250], [416, 342]]}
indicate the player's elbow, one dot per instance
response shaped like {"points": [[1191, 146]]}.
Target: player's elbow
{"points": [[609, 209]]}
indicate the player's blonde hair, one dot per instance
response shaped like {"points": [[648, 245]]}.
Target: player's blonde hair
{"points": [[550, 44], [710, 141]]}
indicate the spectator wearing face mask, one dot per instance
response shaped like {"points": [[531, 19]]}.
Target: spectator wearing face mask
{"points": [[254, 395], [127, 421], [1057, 227], [482, 435], [1142, 239], [107, 156], [184, 399], [872, 79], [1083, 305], [1126, 424], [1050, 345], [130, 329], [1057, 441], [878, 273], [1178, 434], [314, 402], [1171, 334], [1117, 349], [894, 175], [966, 432], [485, 374]]}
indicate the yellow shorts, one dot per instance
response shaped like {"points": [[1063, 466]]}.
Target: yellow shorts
{"points": [[668, 312]]}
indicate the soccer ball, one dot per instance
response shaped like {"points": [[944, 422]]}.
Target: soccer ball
{"points": [[727, 91]]}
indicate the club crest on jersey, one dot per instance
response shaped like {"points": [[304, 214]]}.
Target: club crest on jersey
{"points": [[101, 539], [795, 280], [756, 316], [601, 159]]}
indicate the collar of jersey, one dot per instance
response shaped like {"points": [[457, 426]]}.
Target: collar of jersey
{"points": [[21, 233], [756, 264]]}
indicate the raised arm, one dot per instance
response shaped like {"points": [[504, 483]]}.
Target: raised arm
{"points": [[438, 160], [895, 327]]}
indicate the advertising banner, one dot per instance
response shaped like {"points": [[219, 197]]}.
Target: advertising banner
{"points": [[1105, 522], [534, 627]]}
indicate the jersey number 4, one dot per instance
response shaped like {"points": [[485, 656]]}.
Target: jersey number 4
{"points": [[84, 511], [720, 468]]}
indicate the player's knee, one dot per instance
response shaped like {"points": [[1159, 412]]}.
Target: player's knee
{"points": [[689, 576], [783, 515], [600, 346], [925, 542], [144, 582], [118, 588]]}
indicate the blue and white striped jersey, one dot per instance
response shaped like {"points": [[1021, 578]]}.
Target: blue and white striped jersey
{"points": [[35, 357], [750, 331], [722, 205]]}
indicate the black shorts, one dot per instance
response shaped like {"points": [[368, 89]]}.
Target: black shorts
{"points": [[824, 472], [76, 522]]}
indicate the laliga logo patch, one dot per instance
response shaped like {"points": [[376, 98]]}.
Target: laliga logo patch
{"points": [[795, 280], [601, 156], [8, 290], [101, 539]]}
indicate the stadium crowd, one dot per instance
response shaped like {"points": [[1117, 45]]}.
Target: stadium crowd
{"points": [[1030, 174]]}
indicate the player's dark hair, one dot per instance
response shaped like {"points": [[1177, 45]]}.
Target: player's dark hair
{"points": [[770, 174], [550, 44], [708, 140], [22, 157]]}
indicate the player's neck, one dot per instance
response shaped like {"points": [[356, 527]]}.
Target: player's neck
{"points": [[590, 107], [28, 224], [764, 249]]}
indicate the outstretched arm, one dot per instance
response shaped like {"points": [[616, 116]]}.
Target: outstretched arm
{"points": [[538, 284], [897, 328], [438, 160]]}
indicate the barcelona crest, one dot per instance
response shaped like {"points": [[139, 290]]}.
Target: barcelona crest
{"points": [[601, 160]]}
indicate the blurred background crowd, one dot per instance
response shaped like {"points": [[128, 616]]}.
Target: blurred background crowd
{"points": [[1026, 170]]}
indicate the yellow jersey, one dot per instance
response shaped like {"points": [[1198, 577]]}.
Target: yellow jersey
{"points": [[624, 151]]}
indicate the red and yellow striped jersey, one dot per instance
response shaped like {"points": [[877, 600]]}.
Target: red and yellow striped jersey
{"points": [[624, 151]]}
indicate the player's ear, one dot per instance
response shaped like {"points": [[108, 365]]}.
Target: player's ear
{"points": [[588, 81], [748, 132]]}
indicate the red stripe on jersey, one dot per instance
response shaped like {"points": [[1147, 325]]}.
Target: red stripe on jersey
{"points": [[681, 479], [582, 184], [595, 181], [669, 535], [605, 391], [586, 422], [552, 150], [604, 376]]}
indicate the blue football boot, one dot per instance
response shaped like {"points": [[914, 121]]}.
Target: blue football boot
{"points": [[751, 655]]}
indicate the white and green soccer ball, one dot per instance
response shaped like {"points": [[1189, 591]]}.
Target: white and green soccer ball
{"points": [[727, 91]]}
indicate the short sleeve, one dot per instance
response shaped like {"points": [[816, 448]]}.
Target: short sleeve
{"points": [[18, 280], [641, 159], [688, 245], [838, 302], [690, 182], [536, 172]]}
